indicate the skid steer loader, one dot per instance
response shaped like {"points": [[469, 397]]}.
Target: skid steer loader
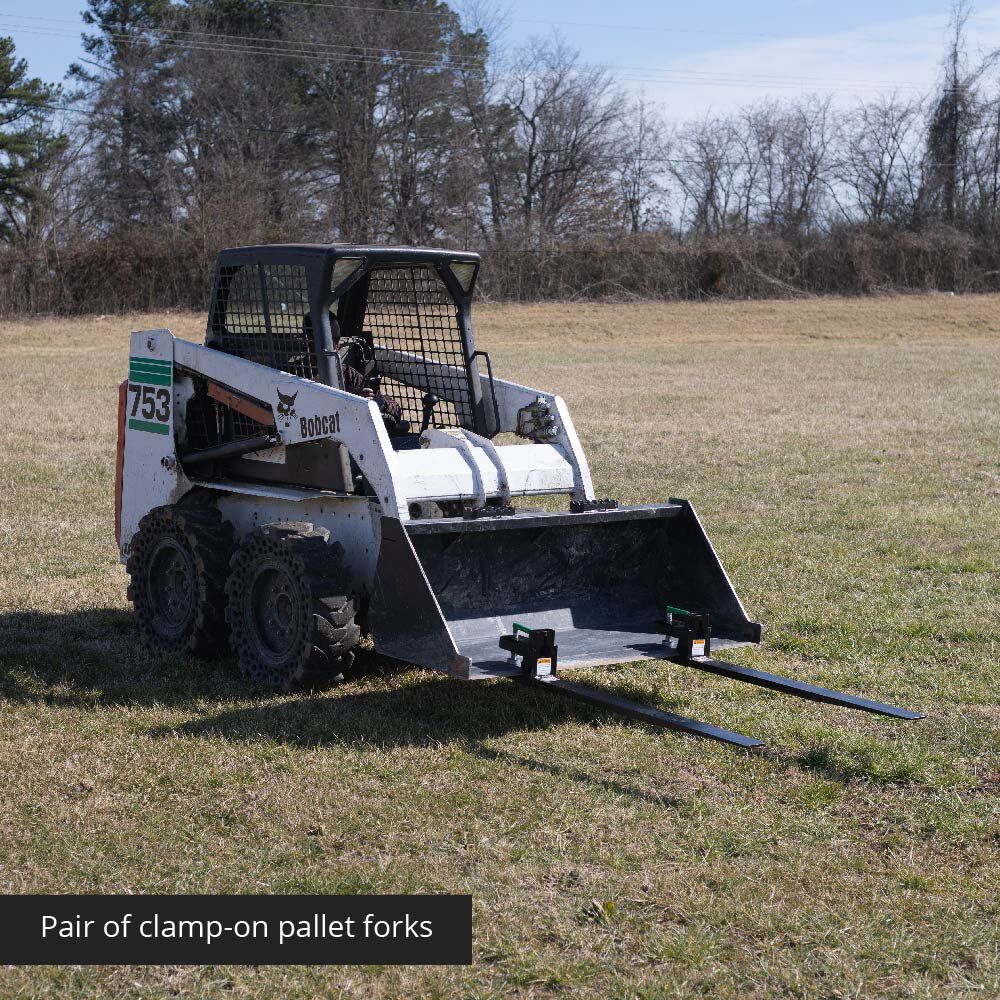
{"points": [[327, 464]]}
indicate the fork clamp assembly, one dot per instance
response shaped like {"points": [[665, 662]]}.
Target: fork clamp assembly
{"points": [[693, 632], [536, 648]]}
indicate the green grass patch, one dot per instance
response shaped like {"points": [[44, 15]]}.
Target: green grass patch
{"points": [[855, 506]]}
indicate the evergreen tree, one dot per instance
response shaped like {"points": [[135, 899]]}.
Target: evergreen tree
{"points": [[26, 141], [127, 86]]}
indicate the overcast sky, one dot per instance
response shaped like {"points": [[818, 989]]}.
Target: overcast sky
{"points": [[692, 58]]}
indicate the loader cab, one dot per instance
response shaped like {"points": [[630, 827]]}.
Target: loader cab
{"points": [[404, 315]]}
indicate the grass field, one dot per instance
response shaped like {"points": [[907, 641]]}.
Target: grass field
{"points": [[844, 458]]}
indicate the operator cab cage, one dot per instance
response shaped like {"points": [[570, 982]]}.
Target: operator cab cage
{"points": [[404, 315]]}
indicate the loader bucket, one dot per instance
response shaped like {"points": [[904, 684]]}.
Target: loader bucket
{"points": [[446, 590]]}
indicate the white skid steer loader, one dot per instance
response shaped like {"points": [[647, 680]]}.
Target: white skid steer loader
{"points": [[325, 465]]}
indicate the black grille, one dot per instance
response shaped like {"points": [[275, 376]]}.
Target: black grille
{"points": [[259, 315], [210, 422], [409, 310]]}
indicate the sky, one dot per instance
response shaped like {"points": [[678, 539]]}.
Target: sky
{"points": [[691, 59]]}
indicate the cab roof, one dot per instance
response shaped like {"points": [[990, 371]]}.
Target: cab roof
{"points": [[280, 252]]}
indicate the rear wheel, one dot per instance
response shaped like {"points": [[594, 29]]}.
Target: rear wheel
{"points": [[177, 568], [290, 617]]}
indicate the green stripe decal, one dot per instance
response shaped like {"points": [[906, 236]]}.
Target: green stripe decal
{"points": [[147, 425], [150, 370], [148, 378], [151, 362]]}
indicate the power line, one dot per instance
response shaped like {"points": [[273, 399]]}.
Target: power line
{"points": [[318, 6], [323, 48], [373, 10], [710, 30], [636, 73], [318, 51], [254, 39], [286, 50], [851, 81]]}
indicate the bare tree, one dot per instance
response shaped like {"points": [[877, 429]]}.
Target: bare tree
{"points": [[954, 121], [422, 126], [880, 159], [797, 170], [983, 166], [706, 171], [641, 151], [564, 115], [346, 100], [489, 123]]}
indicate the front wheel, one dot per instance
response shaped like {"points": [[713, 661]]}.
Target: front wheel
{"points": [[289, 615]]}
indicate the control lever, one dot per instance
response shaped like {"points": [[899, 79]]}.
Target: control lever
{"points": [[430, 401]]}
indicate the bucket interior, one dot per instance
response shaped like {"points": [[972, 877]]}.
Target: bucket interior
{"points": [[600, 579]]}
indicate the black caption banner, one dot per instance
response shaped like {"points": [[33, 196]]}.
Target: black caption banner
{"points": [[236, 930]]}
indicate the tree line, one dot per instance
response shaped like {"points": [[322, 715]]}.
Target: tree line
{"points": [[189, 125]]}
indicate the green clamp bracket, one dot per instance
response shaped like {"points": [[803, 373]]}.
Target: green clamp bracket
{"points": [[535, 646], [692, 632]]}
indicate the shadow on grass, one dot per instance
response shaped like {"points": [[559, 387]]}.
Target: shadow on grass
{"points": [[574, 773], [427, 713], [91, 658]]}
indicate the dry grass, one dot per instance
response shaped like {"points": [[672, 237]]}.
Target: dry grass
{"points": [[843, 455]]}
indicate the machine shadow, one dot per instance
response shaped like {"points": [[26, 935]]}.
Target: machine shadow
{"points": [[91, 658], [428, 713], [427, 710], [575, 774]]}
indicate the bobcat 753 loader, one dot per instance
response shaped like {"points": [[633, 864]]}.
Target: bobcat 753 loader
{"points": [[262, 506]]}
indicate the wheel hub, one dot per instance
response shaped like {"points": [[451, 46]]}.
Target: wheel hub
{"points": [[272, 605], [171, 587]]}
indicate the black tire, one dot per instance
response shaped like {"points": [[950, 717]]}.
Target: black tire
{"points": [[290, 617], [178, 566]]}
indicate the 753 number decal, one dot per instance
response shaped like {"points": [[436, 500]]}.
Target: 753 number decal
{"points": [[149, 404]]}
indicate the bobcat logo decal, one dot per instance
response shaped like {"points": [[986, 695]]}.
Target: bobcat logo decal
{"points": [[286, 407]]}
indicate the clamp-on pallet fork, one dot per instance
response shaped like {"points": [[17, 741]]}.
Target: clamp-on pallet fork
{"points": [[690, 635]]}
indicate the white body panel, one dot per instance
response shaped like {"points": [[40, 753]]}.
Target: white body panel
{"points": [[318, 412], [510, 397], [152, 475]]}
